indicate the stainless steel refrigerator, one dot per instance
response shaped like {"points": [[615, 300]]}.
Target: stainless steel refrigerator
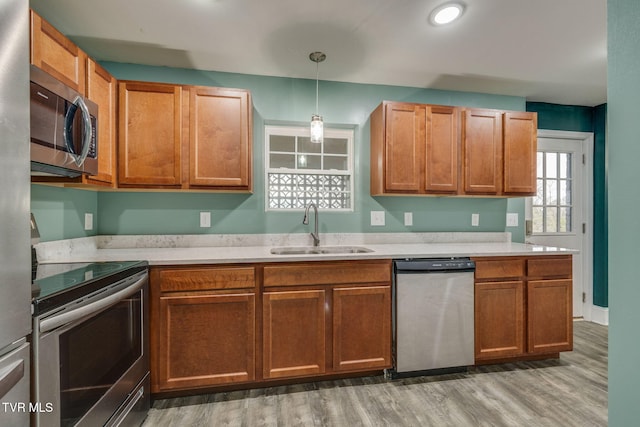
{"points": [[15, 235]]}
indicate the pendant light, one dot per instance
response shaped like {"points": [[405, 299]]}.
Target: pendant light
{"points": [[317, 126]]}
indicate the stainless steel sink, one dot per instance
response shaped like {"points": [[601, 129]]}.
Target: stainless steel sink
{"points": [[301, 250]]}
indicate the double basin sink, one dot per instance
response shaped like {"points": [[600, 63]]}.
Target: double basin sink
{"points": [[310, 250]]}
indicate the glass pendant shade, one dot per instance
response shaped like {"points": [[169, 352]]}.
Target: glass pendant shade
{"points": [[317, 129]]}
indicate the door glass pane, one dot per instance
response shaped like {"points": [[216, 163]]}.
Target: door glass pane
{"points": [[552, 204], [538, 219], [551, 193], [565, 165], [551, 165], [551, 216], [564, 220], [565, 192]]}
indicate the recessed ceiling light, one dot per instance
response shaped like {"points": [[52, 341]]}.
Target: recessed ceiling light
{"points": [[446, 13]]}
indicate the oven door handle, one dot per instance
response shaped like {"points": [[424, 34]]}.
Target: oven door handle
{"points": [[53, 322]]}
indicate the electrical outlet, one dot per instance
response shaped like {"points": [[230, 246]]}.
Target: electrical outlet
{"points": [[205, 219], [475, 220], [377, 218], [512, 220], [408, 219], [88, 221]]}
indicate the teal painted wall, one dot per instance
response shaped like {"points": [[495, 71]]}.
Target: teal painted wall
{"points": [[623, 128], [586, 119], [277, 99], [59, 212]]}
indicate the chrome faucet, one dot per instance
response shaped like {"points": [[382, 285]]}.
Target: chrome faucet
{"points": [[305, 221]]}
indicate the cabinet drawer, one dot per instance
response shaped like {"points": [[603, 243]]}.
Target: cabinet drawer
{"points": [[550, 267], [335, 273], [499, 268], [203, 279]]}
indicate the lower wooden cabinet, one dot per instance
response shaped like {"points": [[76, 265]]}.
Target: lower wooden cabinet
{"points": [[215, 326], [203, 327], [293, 333], [361, 328], [499, 319], [206, 340], [326, 318], [523, 307]]}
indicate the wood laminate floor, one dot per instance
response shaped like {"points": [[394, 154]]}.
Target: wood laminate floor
{"points": [[571, 391]]}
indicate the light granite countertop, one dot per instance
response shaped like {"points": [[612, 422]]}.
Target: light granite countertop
{"points": [[238, 248]]}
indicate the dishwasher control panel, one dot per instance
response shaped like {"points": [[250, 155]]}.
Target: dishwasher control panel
{"points": [[433, 264]]}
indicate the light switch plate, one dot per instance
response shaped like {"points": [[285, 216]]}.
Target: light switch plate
{"points": [[88, 221], [205, 219], [475, 220], [377, 218], [512, 220], [408, 219]]}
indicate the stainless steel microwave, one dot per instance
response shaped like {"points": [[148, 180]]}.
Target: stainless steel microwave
{"points": [[63, 129]]}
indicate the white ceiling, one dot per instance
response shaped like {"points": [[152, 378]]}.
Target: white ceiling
{"points": [[544, 50]]}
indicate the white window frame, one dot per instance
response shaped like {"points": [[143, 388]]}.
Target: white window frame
{"points": [[303, 131]]}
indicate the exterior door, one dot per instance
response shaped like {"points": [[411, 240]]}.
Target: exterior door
{"points": [[559, 213]]}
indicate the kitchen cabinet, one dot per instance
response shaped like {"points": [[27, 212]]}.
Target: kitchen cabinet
{"points": [[150, 137], [523, 307], [54, 53], [102, 89], [414, 149], [520, 150], [326, 317], [203, 328], [184, 137], [482, 151], [220, 138], [294, 333], [421, 149]]}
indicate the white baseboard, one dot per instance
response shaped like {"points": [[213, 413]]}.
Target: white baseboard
{"points": [[600, 315]]}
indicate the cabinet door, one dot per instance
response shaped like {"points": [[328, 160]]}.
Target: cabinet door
{"points": [[549, 312], [150, 134], [293, 333], [499, 320], [205, 340], [482, 151], [520, 145], [361, 328], [101, 89], [52, 52], [220, 138], [442, 150], [404, 147]]}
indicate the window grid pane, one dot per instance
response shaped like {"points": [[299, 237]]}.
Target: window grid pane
{"points": [[552, 204], [296, 191]]}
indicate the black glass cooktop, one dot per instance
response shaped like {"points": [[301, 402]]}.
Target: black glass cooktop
{"points": [[58, 284]]}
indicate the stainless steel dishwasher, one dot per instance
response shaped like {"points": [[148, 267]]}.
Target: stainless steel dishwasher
{"points": [[433, 316]]}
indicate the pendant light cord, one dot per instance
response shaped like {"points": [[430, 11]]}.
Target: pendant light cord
{"points": [[317, 88]]}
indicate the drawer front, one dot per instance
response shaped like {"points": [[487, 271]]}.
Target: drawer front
{"points": [[550, 267], [334, 273], [499, 268], [203, 279]]}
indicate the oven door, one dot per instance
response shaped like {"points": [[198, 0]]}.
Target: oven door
{"points": [[89, 369]]}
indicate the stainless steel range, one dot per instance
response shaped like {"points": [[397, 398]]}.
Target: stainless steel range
{"points": [[90, 344]]}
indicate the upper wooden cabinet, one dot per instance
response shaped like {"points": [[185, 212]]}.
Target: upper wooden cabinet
{"points": [[103, 90], [151, 133], [414, 149], [52, 52], [173, 136], [520, 147], [482, 148], [220, 138], [433, 149]]}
